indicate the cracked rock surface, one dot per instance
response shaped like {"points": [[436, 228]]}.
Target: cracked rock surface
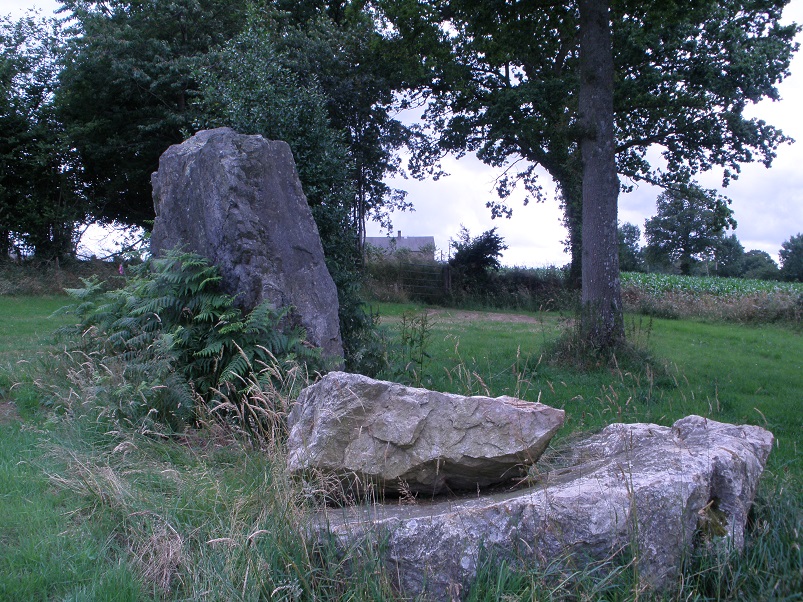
{"points": [[638, 493], [393, 438]]}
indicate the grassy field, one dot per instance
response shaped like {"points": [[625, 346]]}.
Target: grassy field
{"points": [[729, 372], [93, 511]]}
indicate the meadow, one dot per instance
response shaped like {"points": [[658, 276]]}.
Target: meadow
{"points": [[95, 509]]}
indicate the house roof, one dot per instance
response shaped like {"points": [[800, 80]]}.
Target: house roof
{"points": [[412, 243]]}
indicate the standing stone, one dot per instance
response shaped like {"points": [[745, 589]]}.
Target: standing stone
{"points": [[237, 200], [393, 438]]}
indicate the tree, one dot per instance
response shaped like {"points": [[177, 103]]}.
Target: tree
{"points": [[127, 88], [131, 89], [791, 255], [629, 251], [688, 226], [246, 85], [359, 71], [505, 78], [477, 255], [40, 202], [729, 256], [759, 265], [602, 319]]}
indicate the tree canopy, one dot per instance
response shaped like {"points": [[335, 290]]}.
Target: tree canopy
{"points": [[504, 82], [759, 265], [688, 226], [41, 202], [477, 255], [131, 88], [791, 255], [127, 90]]}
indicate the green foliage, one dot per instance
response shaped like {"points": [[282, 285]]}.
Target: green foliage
{"points": [[175, 339], [630, 259], [702, 297], [475, 257], [341, 47], [142, 76], [127, 87], [688, 226], [758, 265], [659, 284], [791, 255], [247, 86], [40, 199]]}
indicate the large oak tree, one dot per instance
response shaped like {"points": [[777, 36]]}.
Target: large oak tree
{"points": [[505, 79], [688, 227], [585, 89]]}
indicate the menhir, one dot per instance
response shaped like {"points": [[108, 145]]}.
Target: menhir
{"points": [[237, 200]]}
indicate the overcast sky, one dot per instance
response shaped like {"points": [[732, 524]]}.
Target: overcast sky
{"points": [[767, 203]]}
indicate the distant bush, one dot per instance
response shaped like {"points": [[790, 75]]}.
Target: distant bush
{"points": [[477, 258], [528, 289]]}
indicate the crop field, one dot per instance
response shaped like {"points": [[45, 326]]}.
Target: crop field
{"points": [[711, 298], [697, 286]]}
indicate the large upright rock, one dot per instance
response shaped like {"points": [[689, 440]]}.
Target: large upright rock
{"points": [[637, 492], [383, 435], [237, 200]]}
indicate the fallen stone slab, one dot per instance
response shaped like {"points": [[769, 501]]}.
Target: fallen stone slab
{"points": [[638, 491], [237, 200], [379, 435]]}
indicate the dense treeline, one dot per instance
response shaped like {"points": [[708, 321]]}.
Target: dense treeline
{"points": [[99, 95]]}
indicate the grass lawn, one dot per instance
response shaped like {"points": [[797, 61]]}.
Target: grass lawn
{"points": [[92, 512], [24, 322], [728, 372]]}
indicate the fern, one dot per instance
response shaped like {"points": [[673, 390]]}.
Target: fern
{"points": [[179, 339]]}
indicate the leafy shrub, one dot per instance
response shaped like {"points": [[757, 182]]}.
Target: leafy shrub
{"points": [[526, 289], [475, 257], [169, 339]]}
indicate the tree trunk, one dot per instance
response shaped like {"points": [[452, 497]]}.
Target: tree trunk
{"points": [[573, 220], [602, 320], [685, 264], [5, 243]]}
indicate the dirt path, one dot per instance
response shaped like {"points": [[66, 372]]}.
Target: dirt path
{"points": [[8, 412], [459, 315]]}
